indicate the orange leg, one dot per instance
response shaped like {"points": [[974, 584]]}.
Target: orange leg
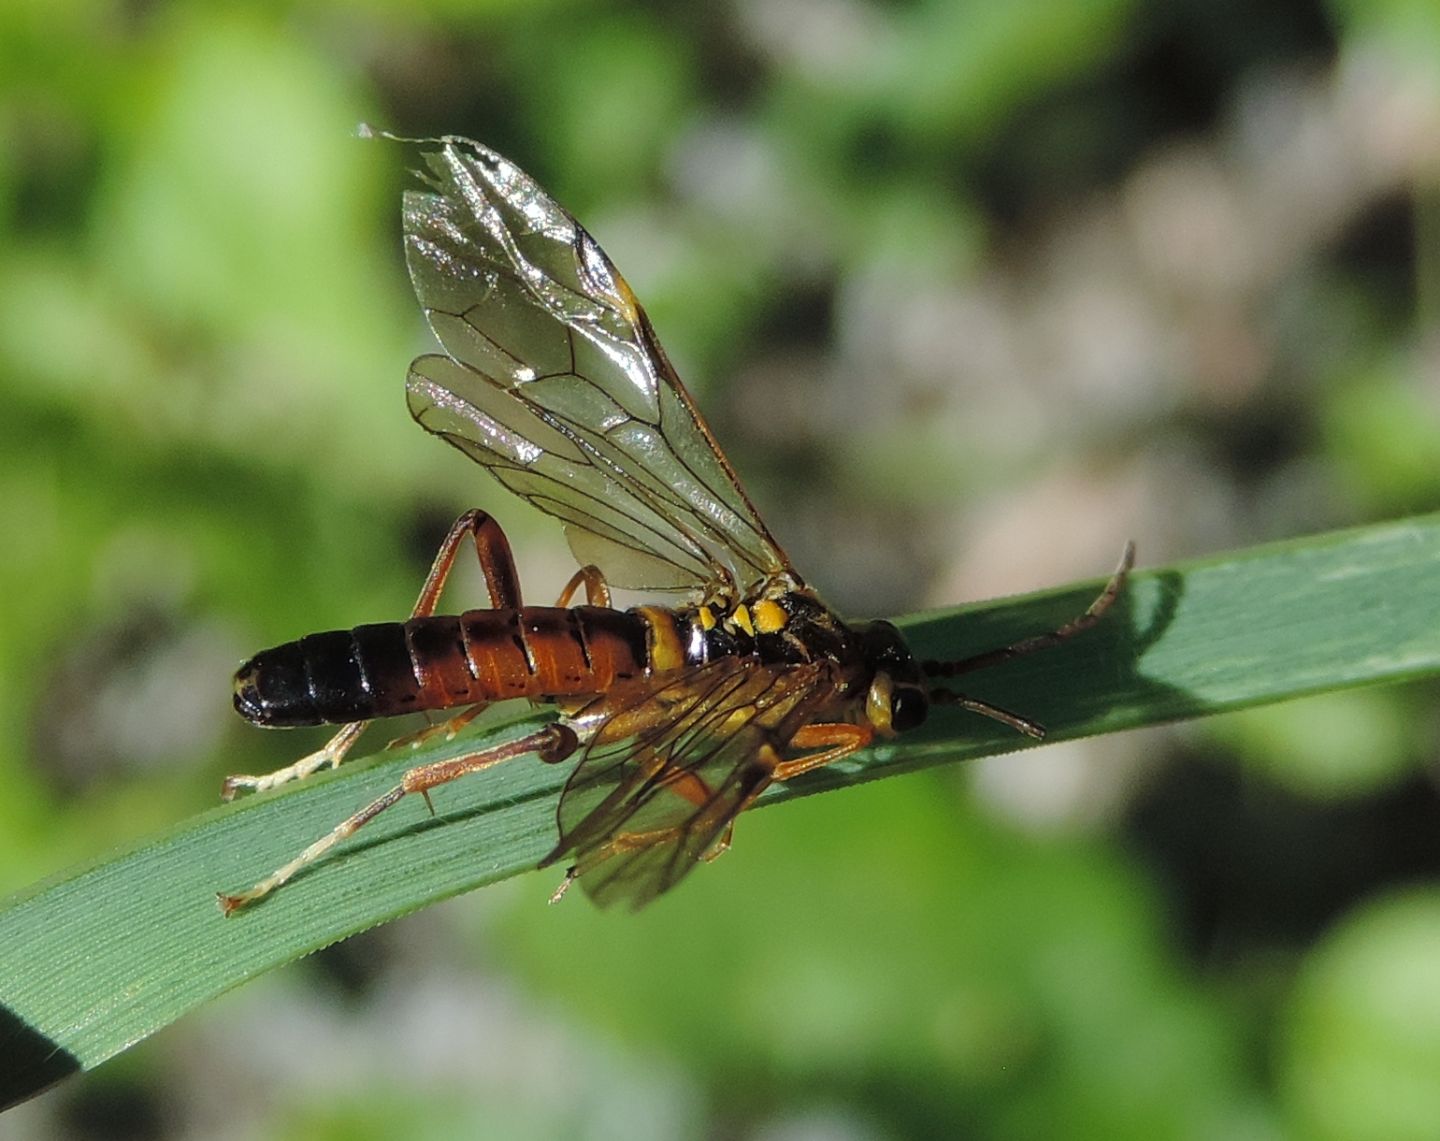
{"points": [[496, 563], [597, 590], [618, 846], [834, 740], [597, 593], [446, 729], [554, 743], [682, 783], [503, 584]]}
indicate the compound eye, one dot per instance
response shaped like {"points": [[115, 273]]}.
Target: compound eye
{"points": [[908, 708]]}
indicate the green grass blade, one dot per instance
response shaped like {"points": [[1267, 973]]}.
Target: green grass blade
{"points": [[101, 958]]}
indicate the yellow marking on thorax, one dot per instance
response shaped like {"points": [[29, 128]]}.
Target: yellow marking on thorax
{"points": [[707, 618], [741, 618], [667, 652], [770, 616]]}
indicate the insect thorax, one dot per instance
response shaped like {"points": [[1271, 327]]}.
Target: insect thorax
{"points": [[784, 626]]}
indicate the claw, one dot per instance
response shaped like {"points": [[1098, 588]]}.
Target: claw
{"points": [[559, 893]]}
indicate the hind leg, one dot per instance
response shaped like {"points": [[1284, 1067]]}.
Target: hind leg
{"points": [[503, 584], [553, 744]]}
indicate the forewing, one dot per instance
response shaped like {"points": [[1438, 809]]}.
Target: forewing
{"points": [[554, 381], [671, 767]]}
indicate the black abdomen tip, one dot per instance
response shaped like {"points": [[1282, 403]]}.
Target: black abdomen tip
{"points": [[272, 689], [330, 678]]}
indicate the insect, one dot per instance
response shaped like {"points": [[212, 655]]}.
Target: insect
{"points": [[678, 717]]}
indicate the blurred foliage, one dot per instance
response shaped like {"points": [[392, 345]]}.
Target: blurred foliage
{"points": [[972, 291]]}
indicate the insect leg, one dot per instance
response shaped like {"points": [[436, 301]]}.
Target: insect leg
{"points": [[501, 581], [841, 738], [496, 563], [446, 729], [597, 591], [328, 756], [834, 740], [683, 783], [619, 845], [553, 744]]}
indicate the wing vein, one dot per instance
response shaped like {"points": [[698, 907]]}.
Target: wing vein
{"points": [[556, 373]]}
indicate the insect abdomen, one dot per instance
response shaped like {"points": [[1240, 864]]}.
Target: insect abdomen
{"points": [[437, 662]]}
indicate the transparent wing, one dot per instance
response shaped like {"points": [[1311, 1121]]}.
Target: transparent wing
{"points": [[671, 767], [553, 379]]}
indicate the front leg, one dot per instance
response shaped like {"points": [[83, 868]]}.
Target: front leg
{"points": [[835, 740]]}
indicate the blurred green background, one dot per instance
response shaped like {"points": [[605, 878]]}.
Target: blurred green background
{"points": [[972, 292]]}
